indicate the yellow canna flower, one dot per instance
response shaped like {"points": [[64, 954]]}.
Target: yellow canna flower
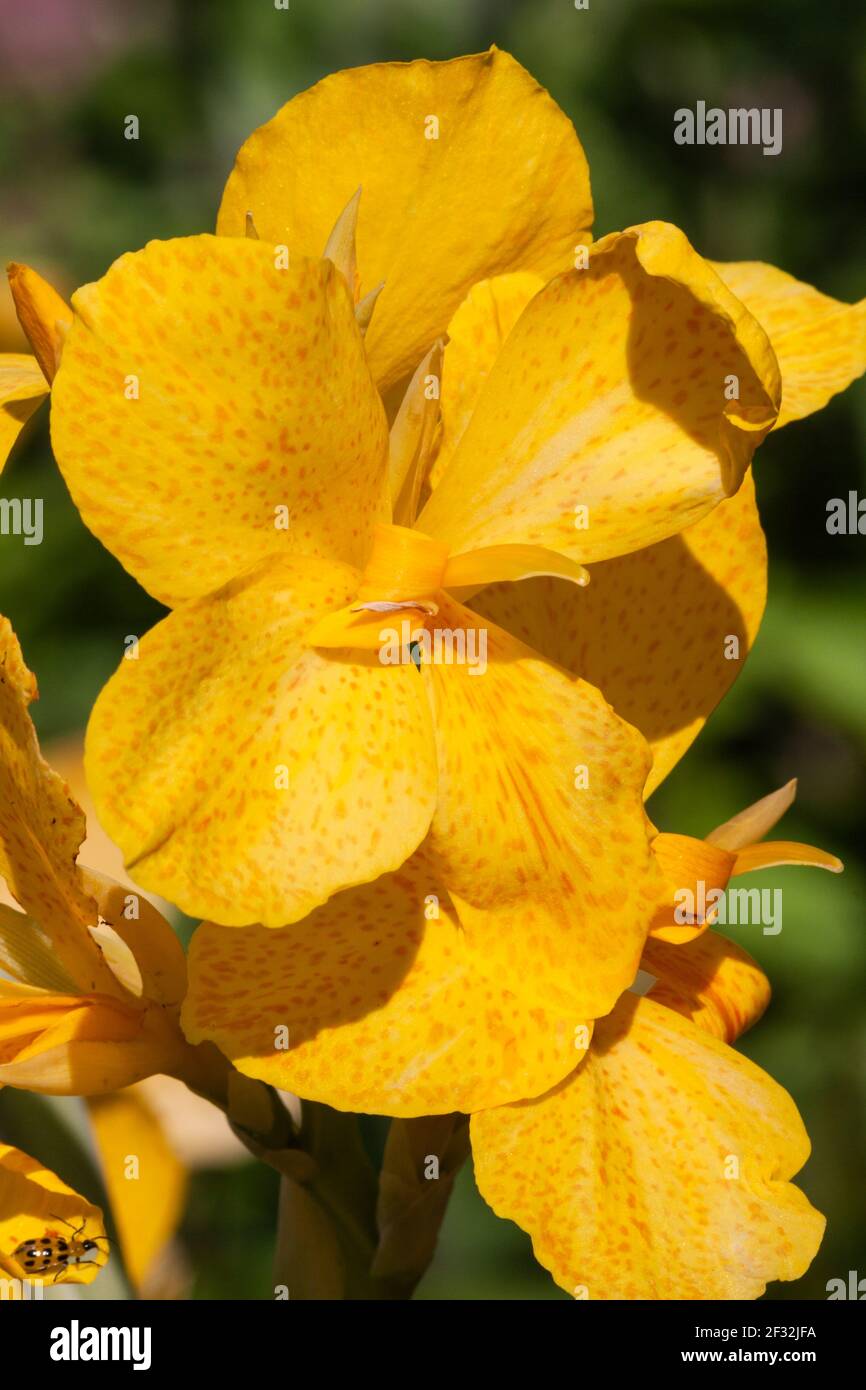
{"points": [[48, 1233], [332, 760], [91, 978], [646, 1158], [249, 735], [247, 382]]}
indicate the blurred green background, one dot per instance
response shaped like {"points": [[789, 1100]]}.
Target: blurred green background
{"points": [[201, 75]]}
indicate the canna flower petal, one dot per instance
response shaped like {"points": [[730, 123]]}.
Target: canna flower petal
{"points": [[82, 1044], [711, 981], [91, 1066], [476, 336], [658, 1170], [668, 608], [741, 833], [22, 391], [27, 954], [756, 821], [147, 1207], [652, 629], [539, 832], [378, 1003], [212, 409], [603, 426], [34, 1202], [820, 343], [249, 775], [413, 438], [24, 380], [41, 828], [775, 853], [467, 169], [34, 1023], [697, 872], [42, 313], [156, 951]]}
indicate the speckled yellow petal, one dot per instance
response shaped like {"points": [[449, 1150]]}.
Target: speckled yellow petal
{"points": [[539, 831], [604, 425], [375, 1003], [43, 315], [652, 630], [212, 409], [659, 1170], [247, 776], [145, 1180], [476, 334], [711, 981], [820, 342], [22, 390], [41, 828], [467, 169], [35, 1203]]}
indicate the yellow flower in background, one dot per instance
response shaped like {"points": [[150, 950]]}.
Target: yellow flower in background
{"points": [[91, 977], [48, 1233], [146, 1200]]}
